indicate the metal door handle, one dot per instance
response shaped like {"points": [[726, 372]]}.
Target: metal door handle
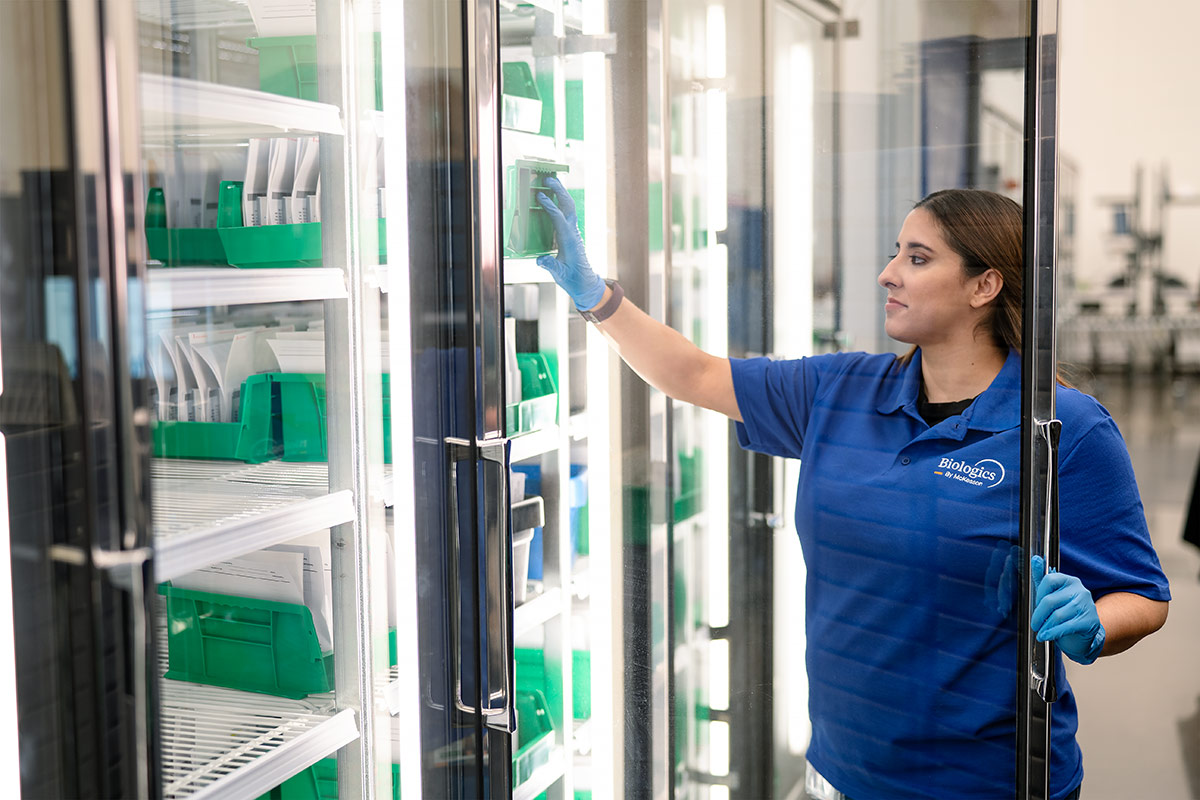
{"points": [[1041, 665], [498, 707], [500, 703]]}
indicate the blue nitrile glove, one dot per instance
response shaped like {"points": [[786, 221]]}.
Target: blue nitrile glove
{"points": [[570, 270], [1064, 613]]}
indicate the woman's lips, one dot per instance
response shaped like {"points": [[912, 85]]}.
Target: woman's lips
{"points": [[892, 304]]}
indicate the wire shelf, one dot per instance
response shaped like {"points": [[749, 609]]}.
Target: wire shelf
{"points": [[206, 510], [229, 744]]}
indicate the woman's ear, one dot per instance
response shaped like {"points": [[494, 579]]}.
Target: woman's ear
{"points": [[987, 288]]}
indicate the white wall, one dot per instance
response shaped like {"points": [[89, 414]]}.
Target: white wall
{"points": [[1127, 94]]}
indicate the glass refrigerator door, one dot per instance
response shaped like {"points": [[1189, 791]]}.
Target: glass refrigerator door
{"points": [[72, 418], [261, 130]]}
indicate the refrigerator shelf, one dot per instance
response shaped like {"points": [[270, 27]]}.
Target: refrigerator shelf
{"points": [[175, 109], [531, 445], [196, 14], [221, 743], [537, 611], [204, 511], [542, 778], [201, 287]]}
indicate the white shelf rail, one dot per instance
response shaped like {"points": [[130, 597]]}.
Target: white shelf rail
{"points": [[202, 287], [179, 110]]}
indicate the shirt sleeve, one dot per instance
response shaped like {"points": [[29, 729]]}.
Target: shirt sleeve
{"points": [[1103, 537], [775, 399]]}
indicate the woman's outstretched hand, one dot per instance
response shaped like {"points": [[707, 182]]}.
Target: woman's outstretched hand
{"points": [[1064, 613], [570, 270]]}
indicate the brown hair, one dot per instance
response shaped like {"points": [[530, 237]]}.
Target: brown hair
{"points": [[987, 231]]}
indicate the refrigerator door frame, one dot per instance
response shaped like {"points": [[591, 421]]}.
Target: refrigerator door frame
{"points": [[1039, 501]]}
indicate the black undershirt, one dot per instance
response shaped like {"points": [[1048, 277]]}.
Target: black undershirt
{"points": [[933, 413]]}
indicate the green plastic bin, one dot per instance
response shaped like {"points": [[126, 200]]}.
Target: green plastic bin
{"points": [[527, 228], [252, 440], [319, 782], [531, 676], [287, 65], [303, 429], [521, 102], [272, 246], [244, 643], [539, 408], [535, 735], [174, 247]]}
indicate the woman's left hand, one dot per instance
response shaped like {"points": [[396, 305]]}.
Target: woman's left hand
{"points": [[1064, 613]]}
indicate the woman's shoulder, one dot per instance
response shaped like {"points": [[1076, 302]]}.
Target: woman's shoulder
{"points": [[1081, 414]]}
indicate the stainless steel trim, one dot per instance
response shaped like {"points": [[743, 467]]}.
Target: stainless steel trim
{"points": [[1038, 531], [482, 116]]}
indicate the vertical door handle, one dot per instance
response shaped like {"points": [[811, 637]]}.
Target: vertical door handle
{"points": [[497, 705], [499, 701], [1042, 664]]}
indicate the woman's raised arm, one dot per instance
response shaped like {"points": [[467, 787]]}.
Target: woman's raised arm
{"points": [[659, 354]]}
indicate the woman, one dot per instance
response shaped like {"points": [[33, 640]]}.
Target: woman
{"points": [[907, 506]]}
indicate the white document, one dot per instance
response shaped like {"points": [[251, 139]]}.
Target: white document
{"points": [[254, 183], [317, 589], [230, 361], [205, 392], [308, 172], [281, 178], [262, 575]]}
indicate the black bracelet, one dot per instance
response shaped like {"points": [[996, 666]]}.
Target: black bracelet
{"points": [[608, 309]]}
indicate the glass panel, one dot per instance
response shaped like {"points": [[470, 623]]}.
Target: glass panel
{"points": [[267, 352], [1127, 334]]}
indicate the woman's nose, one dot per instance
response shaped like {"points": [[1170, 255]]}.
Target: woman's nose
{"points": [[886, 278]]}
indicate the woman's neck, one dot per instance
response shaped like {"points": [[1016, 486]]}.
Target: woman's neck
{"points": [[953, 372]]}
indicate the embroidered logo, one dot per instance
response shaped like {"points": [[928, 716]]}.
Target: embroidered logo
{"points": [[987, 472]]}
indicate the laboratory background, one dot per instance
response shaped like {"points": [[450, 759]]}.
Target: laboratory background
{"points": [[316, 486]]}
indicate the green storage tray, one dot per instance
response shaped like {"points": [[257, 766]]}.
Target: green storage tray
{"points": [[281, 246], [691, 472], [287, 65], [319, 782], [535, 735], [243, 643], [252, 440], [191, 247], [539, 409], [174, 247], [531, 676], [527, 228], [522, 103], [302, 415]]}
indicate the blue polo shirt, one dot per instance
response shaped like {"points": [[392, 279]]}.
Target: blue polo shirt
{"points": [[909, 535]]}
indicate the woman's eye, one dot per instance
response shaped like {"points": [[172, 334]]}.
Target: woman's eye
{"points": [[916, 260]]}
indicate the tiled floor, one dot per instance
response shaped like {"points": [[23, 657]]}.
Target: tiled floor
{"points": [[1140, 711]]}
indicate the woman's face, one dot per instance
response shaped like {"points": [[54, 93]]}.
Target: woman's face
{"points": [[929, 294]]}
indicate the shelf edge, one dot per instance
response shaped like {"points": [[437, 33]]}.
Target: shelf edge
{"points": [[289, 759], [181, 554]]}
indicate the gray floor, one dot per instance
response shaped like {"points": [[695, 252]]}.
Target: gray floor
{"points": [[1140, 711]]}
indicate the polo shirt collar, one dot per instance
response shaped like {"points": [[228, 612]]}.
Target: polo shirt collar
{"points": [[997, 409]]}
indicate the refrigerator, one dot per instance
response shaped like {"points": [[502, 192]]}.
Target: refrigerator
{"points": [[318, 486]]}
